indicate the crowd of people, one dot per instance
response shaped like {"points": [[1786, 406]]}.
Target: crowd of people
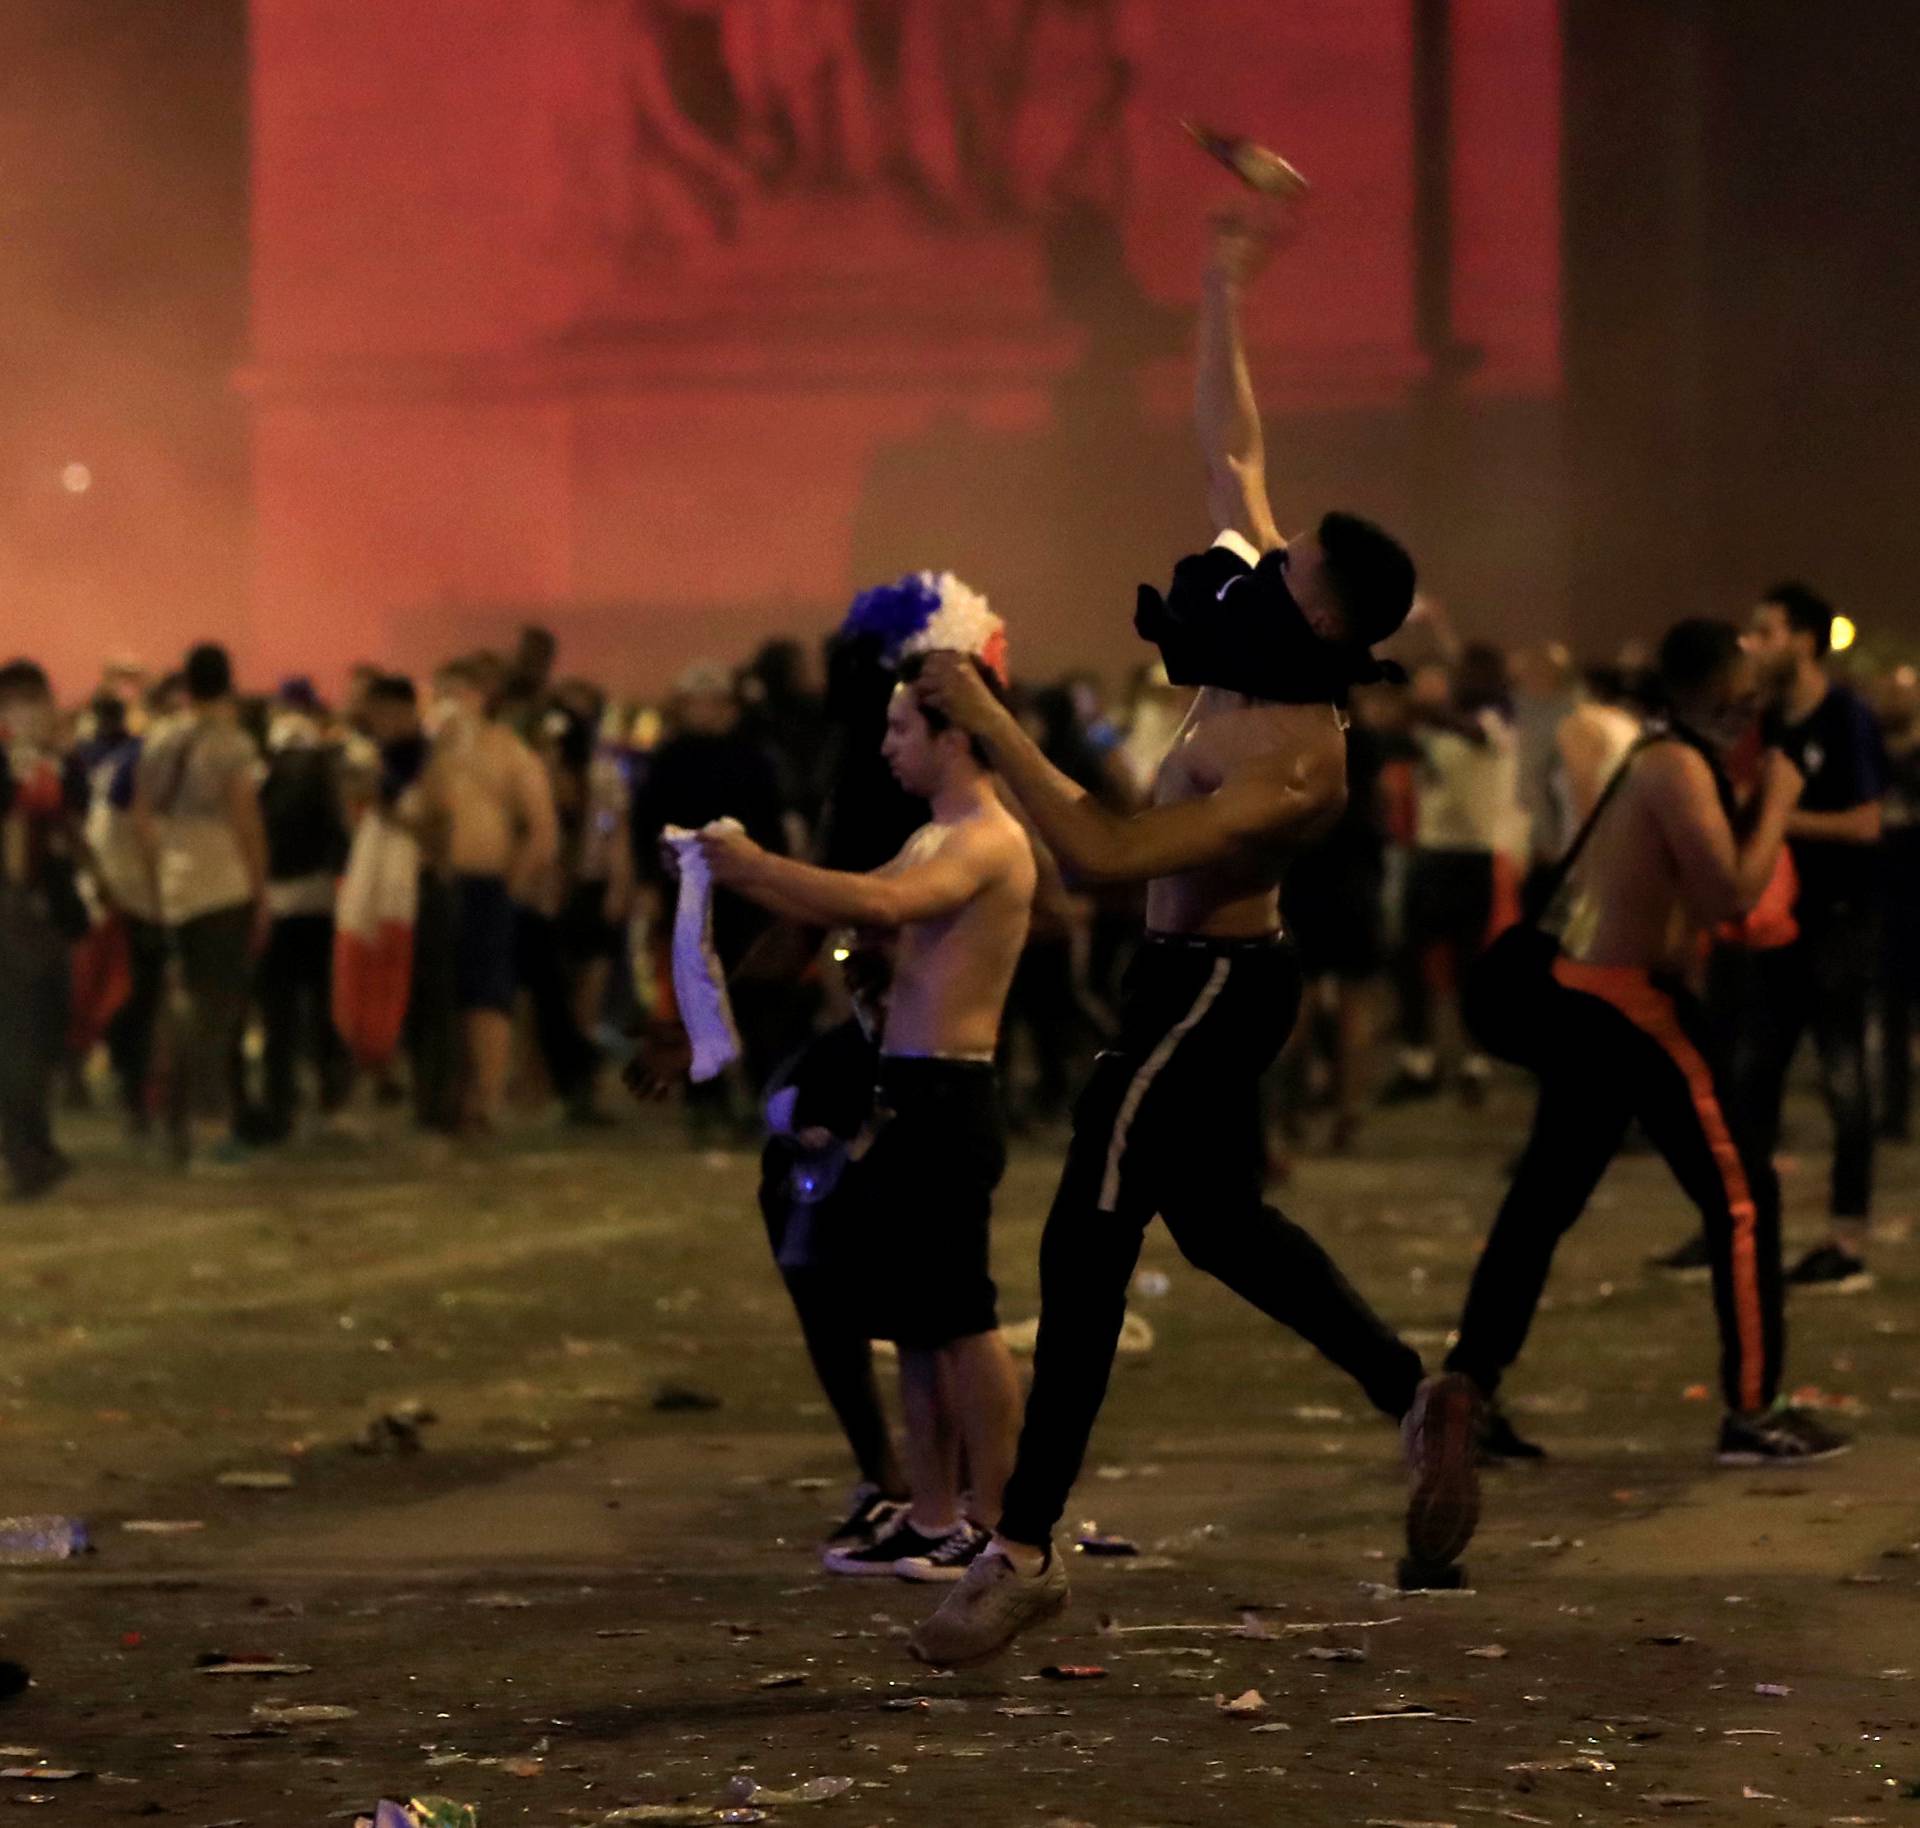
{"points": [[177, 833], [177, 879], [1646, 882]]}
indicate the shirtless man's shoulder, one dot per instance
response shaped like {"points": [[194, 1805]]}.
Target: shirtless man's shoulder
{"points": [[1003, 844], [990, 842]]}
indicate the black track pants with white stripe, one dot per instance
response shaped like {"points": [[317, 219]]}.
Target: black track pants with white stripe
{"points": [[1170, 1124]]}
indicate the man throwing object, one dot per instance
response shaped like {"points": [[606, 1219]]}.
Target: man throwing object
{"points": [[1274, 632]]}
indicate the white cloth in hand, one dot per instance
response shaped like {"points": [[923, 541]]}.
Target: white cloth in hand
{"points": [[699, 984]]}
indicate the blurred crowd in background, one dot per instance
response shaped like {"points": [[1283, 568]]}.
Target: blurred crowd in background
{"points": [[248, 918]]}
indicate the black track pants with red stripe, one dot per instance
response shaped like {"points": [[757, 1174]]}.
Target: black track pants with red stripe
{"points": [[1627, 1046], [1170, 1124]]}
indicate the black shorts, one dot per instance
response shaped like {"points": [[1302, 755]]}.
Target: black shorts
{"points": [[483, 970], [913, 1218]]}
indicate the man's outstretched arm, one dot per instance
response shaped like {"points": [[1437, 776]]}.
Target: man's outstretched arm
{"points": [[1226, 414], [927, 888], [1263, 805]]}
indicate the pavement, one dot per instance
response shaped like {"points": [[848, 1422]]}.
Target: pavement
{"points": [[567, 1604]]}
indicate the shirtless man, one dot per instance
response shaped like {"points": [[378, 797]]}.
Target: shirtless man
{"points": [[958, 895], [1275, 632], [487, 809], [1624, 1042]]}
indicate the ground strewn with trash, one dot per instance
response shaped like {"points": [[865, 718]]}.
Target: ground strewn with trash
{"points": [[496, 1486]]}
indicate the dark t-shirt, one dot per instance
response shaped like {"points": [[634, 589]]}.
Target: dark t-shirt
{"points": [[1837, 747], [402, 762], [301, 803], [693, 780]]}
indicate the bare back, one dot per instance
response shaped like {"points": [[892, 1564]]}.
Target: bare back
{"points": [[1223, 734], [1624, 904], [951, 974]]}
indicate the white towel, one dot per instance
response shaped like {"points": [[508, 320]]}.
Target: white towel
{"points": [[699, 984]]}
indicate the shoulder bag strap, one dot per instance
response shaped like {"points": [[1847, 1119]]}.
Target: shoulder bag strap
{"points": [[164, 803], [1557, 877]]}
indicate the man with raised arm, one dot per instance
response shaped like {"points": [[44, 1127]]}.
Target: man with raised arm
{"points": [[913, 1212], [1274, 632]]}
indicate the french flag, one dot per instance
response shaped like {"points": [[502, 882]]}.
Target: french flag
{"points": [[373, 940]]}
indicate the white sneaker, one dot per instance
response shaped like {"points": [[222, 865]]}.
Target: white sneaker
{"points": [[992, 1604]]}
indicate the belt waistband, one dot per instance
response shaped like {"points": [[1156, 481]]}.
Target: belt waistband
{"points": [[1219, 948]]}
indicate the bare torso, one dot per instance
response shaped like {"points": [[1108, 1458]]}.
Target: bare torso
{"points": [[1238, 900], [1623, 904], [951, 976], [480, 781]]}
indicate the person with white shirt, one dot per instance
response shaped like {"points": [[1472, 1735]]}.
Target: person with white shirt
{"points": [[1467, 815], [197, 806], [123, 876]]}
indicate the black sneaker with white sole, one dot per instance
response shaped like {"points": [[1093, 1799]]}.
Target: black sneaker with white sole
{"points": [[1829, 1270], [1780, 1436], [870, 1513], [948, 1562], [896, 1543]]}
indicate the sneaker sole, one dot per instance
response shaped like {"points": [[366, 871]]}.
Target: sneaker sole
{"points": [[1444, 1510], [1848, 1285], [1056, 1604], [860, 1570], [1750, 1460], [1696, 1272], [926, 1574]]}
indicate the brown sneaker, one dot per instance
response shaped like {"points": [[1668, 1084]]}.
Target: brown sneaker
{"points": [[1441, 1437]]}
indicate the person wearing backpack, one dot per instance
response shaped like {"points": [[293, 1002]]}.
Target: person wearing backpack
{"points": [[305, 814]]}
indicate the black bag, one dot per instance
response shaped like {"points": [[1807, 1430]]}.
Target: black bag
{"points": [[1506, 997]]}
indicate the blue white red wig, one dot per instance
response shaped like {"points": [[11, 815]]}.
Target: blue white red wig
{"points": [[925, 612]]}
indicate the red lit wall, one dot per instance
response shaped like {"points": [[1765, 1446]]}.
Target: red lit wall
{"points": [[547, 319]]}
